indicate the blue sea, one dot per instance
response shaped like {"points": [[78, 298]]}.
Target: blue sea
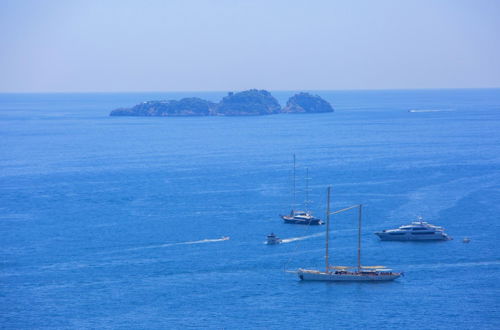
{"points": [[116, 222]]}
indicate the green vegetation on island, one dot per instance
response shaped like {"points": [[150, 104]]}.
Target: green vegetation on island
{"points": [[248, 103], [191, 106], [252, 102]]}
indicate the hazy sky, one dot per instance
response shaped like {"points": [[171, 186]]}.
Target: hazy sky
{"points": [[167, 45]]}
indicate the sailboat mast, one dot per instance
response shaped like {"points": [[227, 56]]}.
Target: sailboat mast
{"points": [[307, 190], [359, 236], [327, 227], [293, 201]]}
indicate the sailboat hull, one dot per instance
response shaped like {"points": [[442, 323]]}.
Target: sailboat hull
{"points": [[299, 221], [356, 277]]}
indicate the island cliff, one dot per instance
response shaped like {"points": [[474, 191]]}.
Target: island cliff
{"points": [[306, 103], [252, 102]]}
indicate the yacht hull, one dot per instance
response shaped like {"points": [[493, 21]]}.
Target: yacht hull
{"points": [[291, 220], [332, 277], [408, 237]]}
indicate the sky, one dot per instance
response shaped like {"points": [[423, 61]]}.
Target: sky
{"points": [[220, 45]]}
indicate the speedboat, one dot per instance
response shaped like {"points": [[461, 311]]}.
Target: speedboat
{"points": [[416, 231], [301, 218], [272, 239]]}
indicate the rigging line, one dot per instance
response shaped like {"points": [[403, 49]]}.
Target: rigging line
{"points": [[296, 248], [293, 206]]}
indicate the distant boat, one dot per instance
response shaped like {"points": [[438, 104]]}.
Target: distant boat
{"points": [[466, 240], [301, 217], [272, 239], [224, 238], [416, 231], [345, 273]]}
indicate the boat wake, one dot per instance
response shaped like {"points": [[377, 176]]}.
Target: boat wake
{"points": [[432, 199], [430, 110], [452, 265], [207, 240], [300, 238]]}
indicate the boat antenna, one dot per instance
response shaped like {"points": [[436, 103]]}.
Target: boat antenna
{"points": [[327, 227], [359, 236]]}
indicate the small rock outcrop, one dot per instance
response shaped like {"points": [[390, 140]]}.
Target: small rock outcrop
{"points": [[306, 103], [248, 103], [191, 106]]}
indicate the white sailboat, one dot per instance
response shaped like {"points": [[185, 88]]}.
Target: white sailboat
{"points": [[345, 273], [301, 217]]}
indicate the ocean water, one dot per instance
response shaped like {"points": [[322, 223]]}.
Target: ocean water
{"points": [[116, 222]]}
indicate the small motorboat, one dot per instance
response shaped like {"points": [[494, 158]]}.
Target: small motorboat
{"points": [[272, 239], [466, 240]]}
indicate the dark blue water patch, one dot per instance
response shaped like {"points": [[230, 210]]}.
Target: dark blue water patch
{"points": [[118, 222]]}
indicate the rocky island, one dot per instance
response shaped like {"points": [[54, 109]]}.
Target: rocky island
{"points": [[306, 103], [191, 106], [252, 102], [248, 103]]}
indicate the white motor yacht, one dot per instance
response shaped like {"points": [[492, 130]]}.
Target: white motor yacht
{"points": [[416, 231]]}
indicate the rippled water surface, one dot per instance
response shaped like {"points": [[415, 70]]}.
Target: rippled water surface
{"points": [[110, 222]]}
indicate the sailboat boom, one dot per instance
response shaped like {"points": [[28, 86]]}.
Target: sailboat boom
{"points": [[346, 209]]}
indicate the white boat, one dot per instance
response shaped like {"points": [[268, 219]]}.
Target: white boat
{"points": [[272, 239], [301, 217], [349, 275], [416, 231], [344, 273]]}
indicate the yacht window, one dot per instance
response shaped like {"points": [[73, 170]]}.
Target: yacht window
{"points": [[419, 228], [424, 233], [396, 233]]}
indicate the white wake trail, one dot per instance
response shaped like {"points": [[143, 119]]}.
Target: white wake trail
{"points": [[207, 240], [458, 264], [431, 110], [300, 238]]}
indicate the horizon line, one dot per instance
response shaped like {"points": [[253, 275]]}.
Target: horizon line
{"points": [[270, 90]]}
